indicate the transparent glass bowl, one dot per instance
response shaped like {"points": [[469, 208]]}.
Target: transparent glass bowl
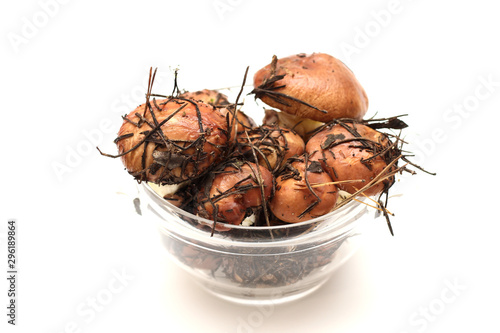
{"points": [[257, 265]]}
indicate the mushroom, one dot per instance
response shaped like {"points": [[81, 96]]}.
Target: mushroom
{"points": [[272, 145], [172, 140], [354, 154], [303, 191], [318, 87], [219, 100], [303, 127], [235, 190]]}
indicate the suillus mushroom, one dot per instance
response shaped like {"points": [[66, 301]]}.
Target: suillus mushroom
{"points": [[354, 154], [272, 145], [172, 140], [234, 191], [316, 86], [303, 191]]}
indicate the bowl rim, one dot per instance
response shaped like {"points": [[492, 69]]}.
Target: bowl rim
{"points": [[337, 228]]}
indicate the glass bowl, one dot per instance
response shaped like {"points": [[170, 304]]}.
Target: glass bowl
{"points": [[257, 265]]}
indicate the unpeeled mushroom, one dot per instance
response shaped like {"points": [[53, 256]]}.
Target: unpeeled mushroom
{"points": [[354, 154], [272, 145], [303, 191], [317, 87], [236, 190], [172, 140]]}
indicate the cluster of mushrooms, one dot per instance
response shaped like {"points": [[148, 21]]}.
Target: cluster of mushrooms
{"points": [[312, 153]]}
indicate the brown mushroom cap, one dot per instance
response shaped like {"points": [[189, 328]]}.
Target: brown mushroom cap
{"points": [[192, 138], [352, 152], [294, 201], [233, 191], [319, 80], [273, 145], [221, 101]]}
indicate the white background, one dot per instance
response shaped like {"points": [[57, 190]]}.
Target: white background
{"points": [[70, 69]]}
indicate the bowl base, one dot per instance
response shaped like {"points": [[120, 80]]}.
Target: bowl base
{"points": [[264, 296]]}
